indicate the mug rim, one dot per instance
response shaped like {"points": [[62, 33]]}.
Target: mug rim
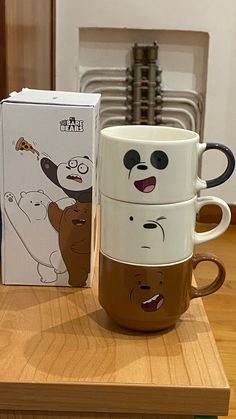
{"points": [[121, 133], [160, 265], [194, 199]]}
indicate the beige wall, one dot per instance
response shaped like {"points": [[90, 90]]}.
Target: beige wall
{"points": [[217, 18]]}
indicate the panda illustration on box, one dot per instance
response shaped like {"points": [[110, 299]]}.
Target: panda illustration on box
{"points": [[74, 177]]}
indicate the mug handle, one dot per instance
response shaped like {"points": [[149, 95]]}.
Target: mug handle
{"points": [[224, 222], [204, 184], [218, 281]]}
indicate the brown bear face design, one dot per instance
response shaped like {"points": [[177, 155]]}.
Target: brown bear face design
{"points": [[144, 297], [78, 221], [146, 292]]}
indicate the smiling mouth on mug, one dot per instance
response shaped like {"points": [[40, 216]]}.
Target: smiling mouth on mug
{"points": [[146, 185], [153, 304]]}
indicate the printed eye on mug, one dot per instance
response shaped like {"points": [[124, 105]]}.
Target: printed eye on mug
{"points": [[149, 298], [155, 165], [155, 234]]}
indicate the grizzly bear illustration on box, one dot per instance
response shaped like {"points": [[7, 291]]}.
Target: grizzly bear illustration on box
{"points": [[74, 227]]}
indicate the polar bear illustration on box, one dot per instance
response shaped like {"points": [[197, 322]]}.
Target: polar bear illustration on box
{"points": [[29, 218]]}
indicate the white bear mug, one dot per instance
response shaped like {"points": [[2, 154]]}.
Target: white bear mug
{"points": [[155, 165], [155, 234]]}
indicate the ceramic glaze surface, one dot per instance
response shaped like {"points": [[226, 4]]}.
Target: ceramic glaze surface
{"points": [[154, 165], [155, 234], [154, 297]]}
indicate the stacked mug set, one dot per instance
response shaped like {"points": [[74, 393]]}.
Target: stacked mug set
{"points": [[149, 184]]}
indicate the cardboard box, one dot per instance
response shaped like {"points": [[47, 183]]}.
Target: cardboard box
{"points": [[48, 191]]}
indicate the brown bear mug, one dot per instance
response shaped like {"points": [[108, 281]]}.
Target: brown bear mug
{"points": [[149, 298]]}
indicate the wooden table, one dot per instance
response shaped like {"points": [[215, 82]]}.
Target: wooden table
{"points": [[59, 352]]}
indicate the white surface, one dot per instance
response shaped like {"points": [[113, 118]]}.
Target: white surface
{"points": [[21, 172], [54, 97], [124, 230], [186, 60], [175, 182]]}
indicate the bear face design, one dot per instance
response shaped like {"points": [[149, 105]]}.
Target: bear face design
{"points": [[148, 225], [146, 291], [74, 227], [78, 220], [134, 233], [144, 297], [34, 204], [132, 291], [29, 218], [143, 174], [75, 175]]}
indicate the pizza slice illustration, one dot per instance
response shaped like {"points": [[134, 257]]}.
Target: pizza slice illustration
{"points": [[23, 145]]}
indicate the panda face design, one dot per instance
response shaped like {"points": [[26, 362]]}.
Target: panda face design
{"points": [[76, 174], [143, 174]]}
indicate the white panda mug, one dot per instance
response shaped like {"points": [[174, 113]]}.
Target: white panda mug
{"points": [[155, 165], [155, 234]]}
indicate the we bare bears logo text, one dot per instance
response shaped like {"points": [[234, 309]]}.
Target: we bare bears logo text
{"points": [[72, 125]]}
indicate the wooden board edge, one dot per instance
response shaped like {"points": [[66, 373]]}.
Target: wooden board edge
{"points": [[21, 414], [115, 398]]}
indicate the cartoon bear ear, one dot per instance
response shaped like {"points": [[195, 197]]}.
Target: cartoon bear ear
{"points": [[86, 157], [40, 190], [23, 193], [131, 158]]}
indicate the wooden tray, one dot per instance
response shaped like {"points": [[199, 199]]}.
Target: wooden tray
{"points": [[59, 352]]}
